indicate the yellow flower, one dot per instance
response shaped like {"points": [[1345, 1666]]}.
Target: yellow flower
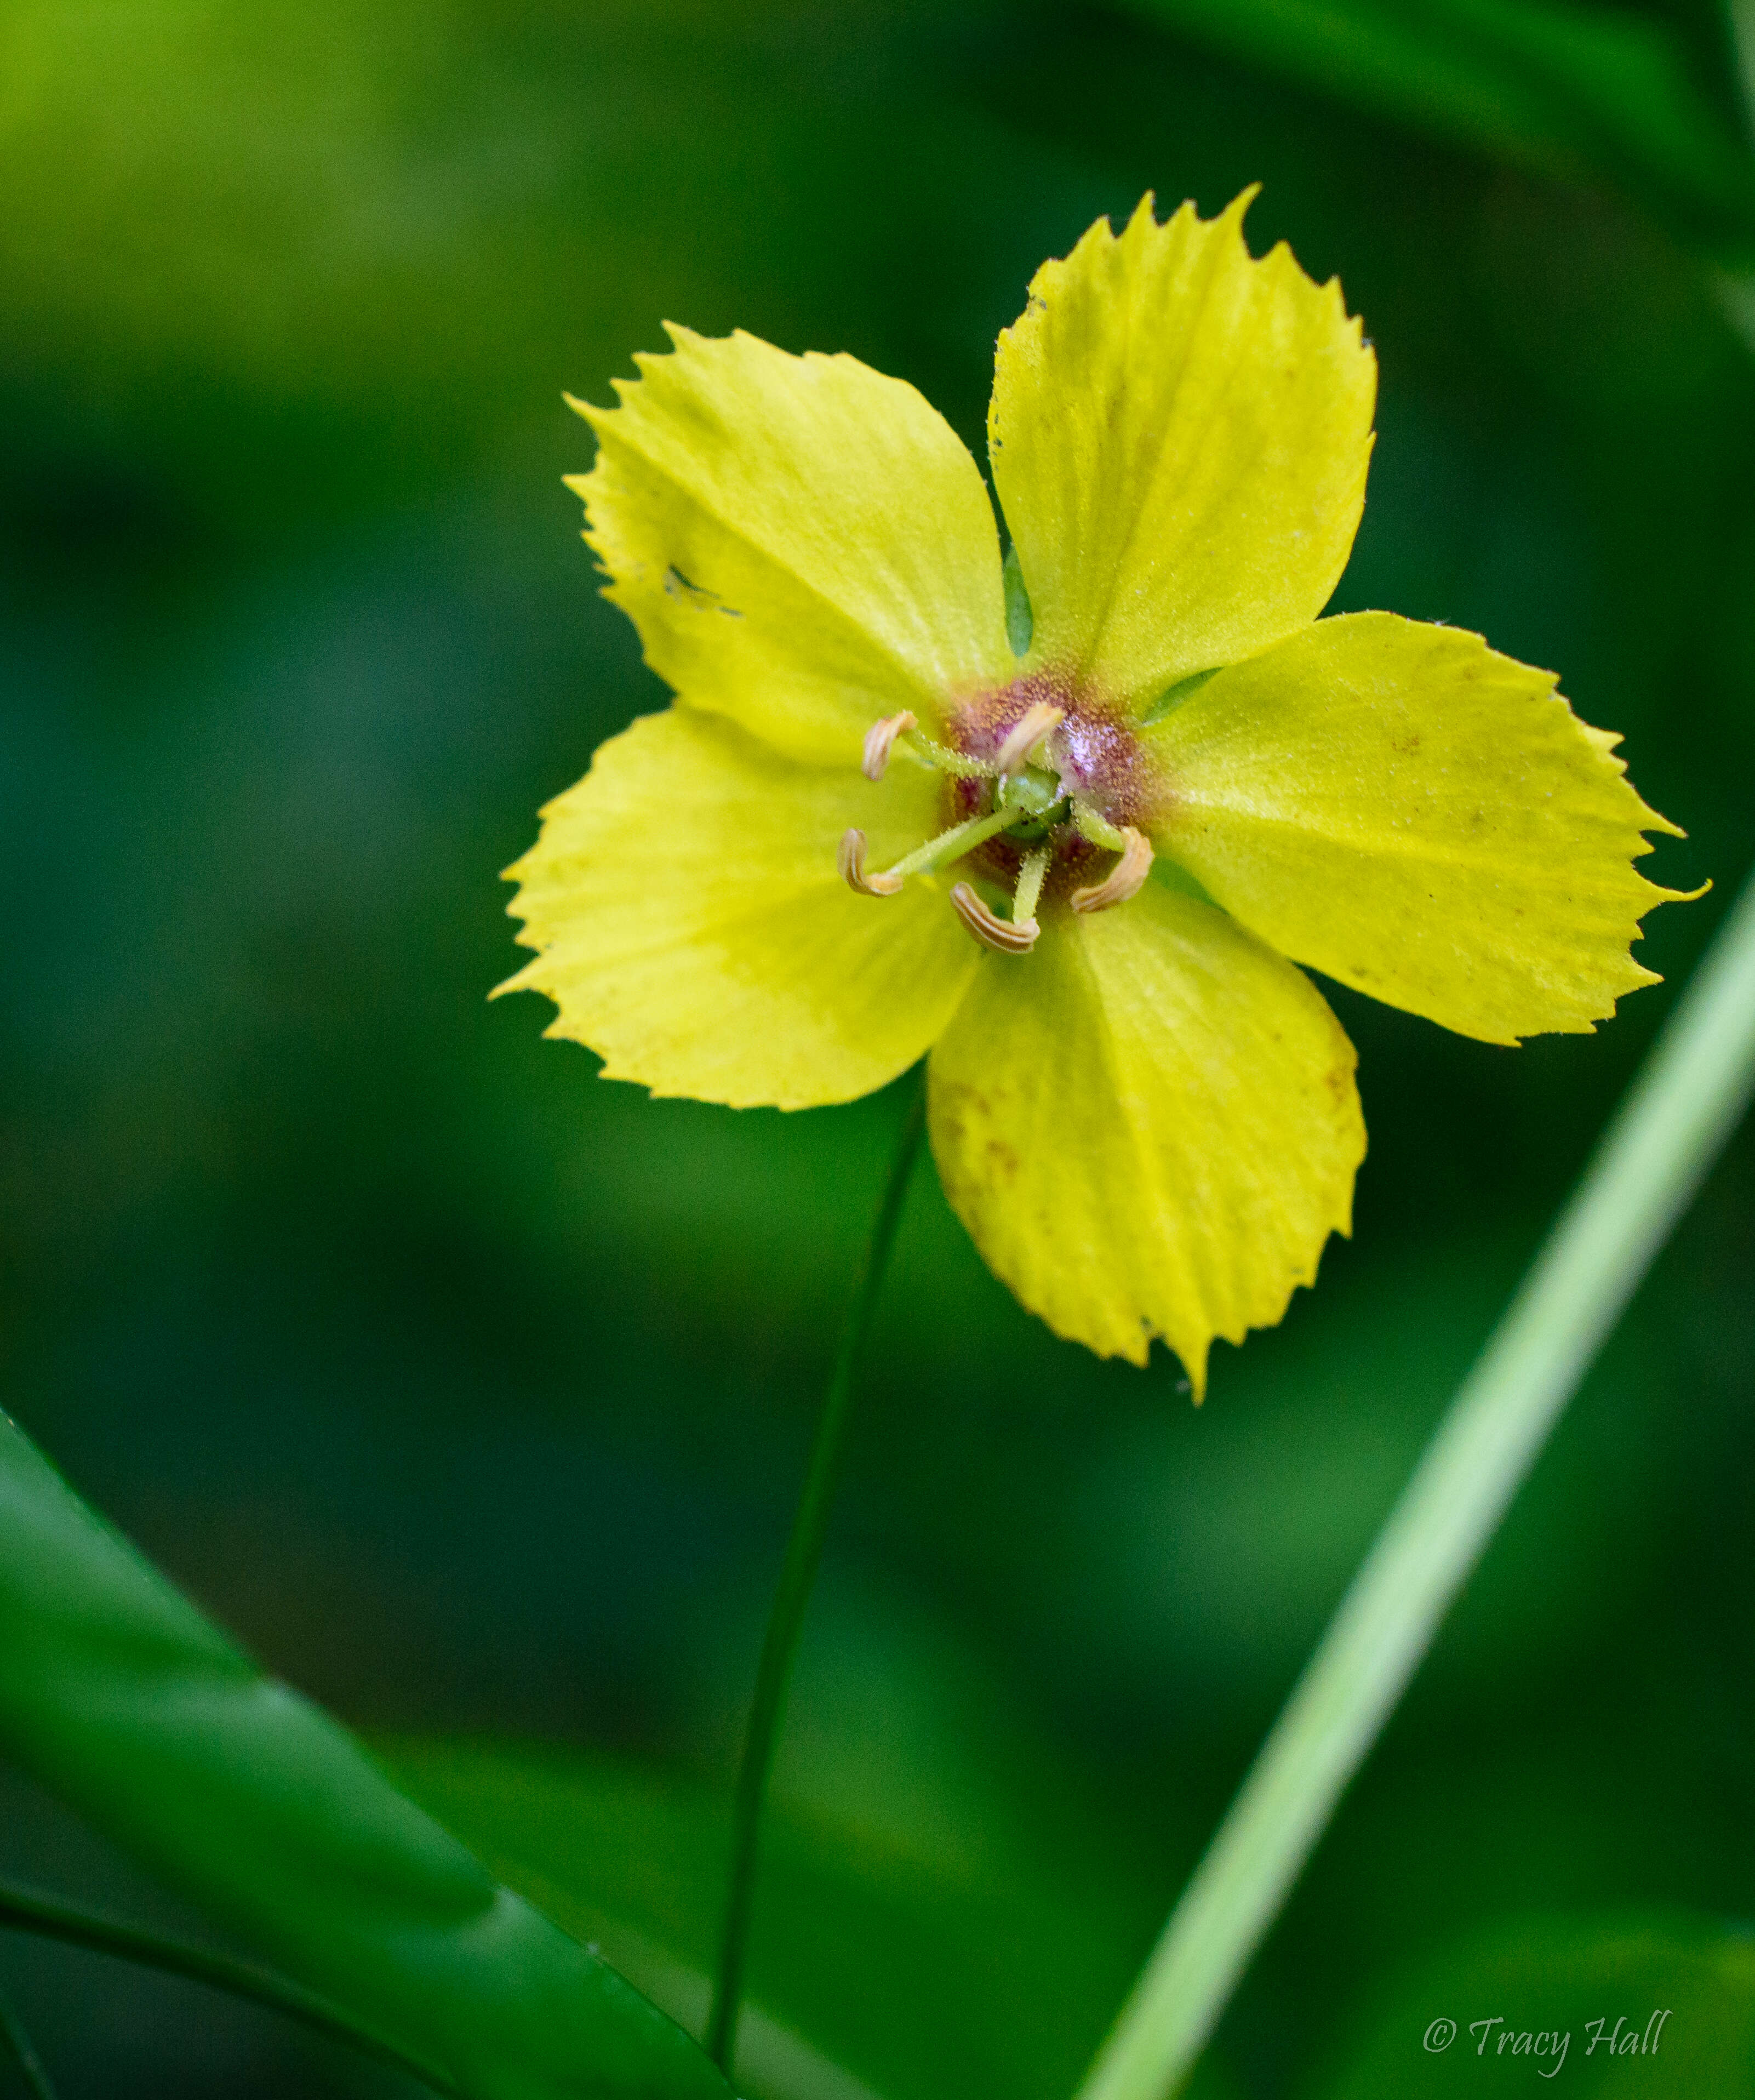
{"points": [[1062, 822]]}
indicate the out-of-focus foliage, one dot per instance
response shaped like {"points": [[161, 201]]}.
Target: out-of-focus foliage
{"points": [[1660, 2005], [994, 1956], [472, 1392], [119, 1695], [1591, 91]]}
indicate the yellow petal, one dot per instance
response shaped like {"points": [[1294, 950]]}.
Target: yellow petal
{"points": [[1149, 1126], [1401, 808], [804, 544], [1180, 436], [694, 932]]}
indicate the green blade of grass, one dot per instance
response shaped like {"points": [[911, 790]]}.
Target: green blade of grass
{"points": [[117, 1695], [1676, 1116]]}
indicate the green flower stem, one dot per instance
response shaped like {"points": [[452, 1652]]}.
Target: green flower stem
{"points": [[803, 1552], [15, 2043], [23, 1910], [1678, 1114]]}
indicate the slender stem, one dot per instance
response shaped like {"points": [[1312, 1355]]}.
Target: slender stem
{"points": [[15, 2043], [23, 1910], [1678, 1114], [804, 1551]]}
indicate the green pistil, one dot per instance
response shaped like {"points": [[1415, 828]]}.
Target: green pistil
{"points": [[1034, 803]]}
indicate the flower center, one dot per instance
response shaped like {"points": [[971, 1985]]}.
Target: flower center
{"points": [[1046, 796]]}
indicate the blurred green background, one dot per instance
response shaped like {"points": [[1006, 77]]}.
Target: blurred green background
{"points": [[473, 1394]]}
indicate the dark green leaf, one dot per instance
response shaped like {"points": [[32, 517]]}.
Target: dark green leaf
{"points": [[1594, 91], [1663, 2007], [120, 1696]]}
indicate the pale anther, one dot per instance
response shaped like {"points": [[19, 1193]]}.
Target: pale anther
{"points": [[1123, 880], [881, 741], [1027, 733], [851, 859], [1000, 934]]}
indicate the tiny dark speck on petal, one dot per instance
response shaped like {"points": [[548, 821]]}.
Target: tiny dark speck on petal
{"points": [[1002, 1158]]}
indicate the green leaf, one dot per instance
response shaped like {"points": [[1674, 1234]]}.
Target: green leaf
{"points": [[121, 1697], [892, 1953], [1020, 617], [1593, 92], [1581, 2002]]}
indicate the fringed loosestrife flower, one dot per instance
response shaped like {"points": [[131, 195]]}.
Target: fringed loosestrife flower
{"points": [[1066, 822]]}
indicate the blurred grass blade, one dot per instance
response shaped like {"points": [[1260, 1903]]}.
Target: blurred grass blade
{"points": [[1679, 1112], [1586, 90], [116, 1693]]}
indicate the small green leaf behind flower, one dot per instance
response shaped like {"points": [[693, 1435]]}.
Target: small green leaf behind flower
{"points": [[1020, 621]]}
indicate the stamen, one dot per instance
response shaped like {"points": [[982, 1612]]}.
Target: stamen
{"points": [[1123, 880], [942, 759], [1030, 881], [851, 860], [1009, 939], [880, 740], [1027, 733], [953, 844], [1098, 828]]}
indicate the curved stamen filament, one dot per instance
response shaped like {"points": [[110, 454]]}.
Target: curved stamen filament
{"points": [[1124, 880], [880, 740], [1027, 733], [851, 860], [942, 759], [904, 730], [1029, 892], [1008, 938], [952, 844], [1098, 828]]}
